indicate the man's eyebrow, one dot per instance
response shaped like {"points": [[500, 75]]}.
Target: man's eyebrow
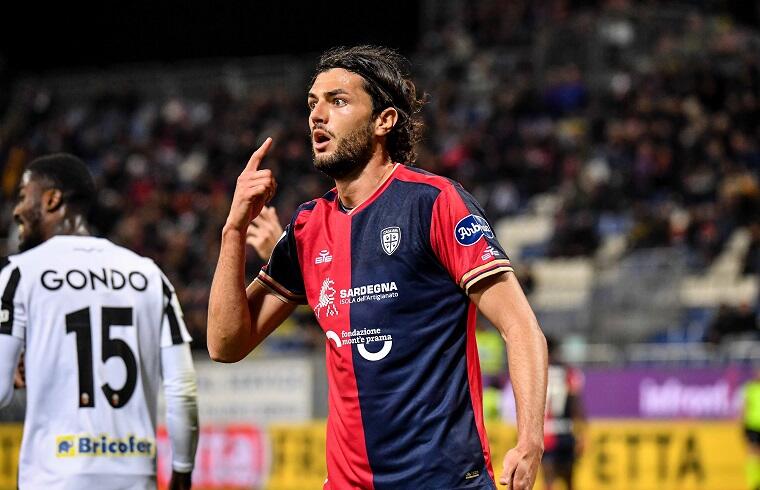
{"points": [[331, 93]]}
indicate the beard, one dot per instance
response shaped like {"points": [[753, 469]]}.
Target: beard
{"points": [[351, 155], [32, 231]]}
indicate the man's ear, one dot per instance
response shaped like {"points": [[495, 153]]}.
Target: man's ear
{"points": [[52, 200], [385, 121]]}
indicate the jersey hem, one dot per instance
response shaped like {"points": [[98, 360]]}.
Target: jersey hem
{"points": [[476, 275], [481, 272]]}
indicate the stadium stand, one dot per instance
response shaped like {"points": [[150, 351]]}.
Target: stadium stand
{"points": [[620, 165]]}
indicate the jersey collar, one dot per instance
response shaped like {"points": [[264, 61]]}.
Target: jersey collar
{"points": [[371, 198]]}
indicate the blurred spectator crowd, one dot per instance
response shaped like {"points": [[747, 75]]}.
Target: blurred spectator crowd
{"points": [[656, 131]]}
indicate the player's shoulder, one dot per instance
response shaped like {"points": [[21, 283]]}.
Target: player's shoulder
{"points": [[4, 262], [20, 259], [306, 209], [100, 249], [408, 173], [15, 264], [127, 255]]}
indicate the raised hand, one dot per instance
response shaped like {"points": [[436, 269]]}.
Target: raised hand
{"points": [[254, 188], [264, 231]]}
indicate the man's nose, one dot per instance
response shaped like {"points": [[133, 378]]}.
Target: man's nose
{"points": [[318, 114]]}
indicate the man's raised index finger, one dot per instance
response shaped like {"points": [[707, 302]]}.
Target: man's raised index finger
{"points": [[258, 155]]}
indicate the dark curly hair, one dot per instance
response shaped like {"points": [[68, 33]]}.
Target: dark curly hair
{"points": [[387, 81], [70, 175]]}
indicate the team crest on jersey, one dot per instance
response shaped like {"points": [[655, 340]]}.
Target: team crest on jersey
{"points": [[471, 229], [326, 299], [390, 238]]}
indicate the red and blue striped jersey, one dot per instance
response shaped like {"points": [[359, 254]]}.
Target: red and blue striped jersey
{"points": [[388, 283]]}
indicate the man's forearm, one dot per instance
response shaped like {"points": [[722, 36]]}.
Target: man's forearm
{"points": [[180, 392], [526, 349], [229, 320], [10, 351], [503, 302]]}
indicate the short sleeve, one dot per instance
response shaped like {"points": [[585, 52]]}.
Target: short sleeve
{"points": [[463, 239], [282, 273], [12, 308], [173, 328]]}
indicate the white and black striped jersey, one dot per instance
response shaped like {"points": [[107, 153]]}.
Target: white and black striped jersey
{"points": [[93, 317]]}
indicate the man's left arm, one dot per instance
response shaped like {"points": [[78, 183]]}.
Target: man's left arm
{"points": [[502, 301], [180, 389], [180, 392], [12, 328], [10, 352]]}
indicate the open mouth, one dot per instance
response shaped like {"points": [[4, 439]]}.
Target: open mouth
{"points": [[320, 139]]}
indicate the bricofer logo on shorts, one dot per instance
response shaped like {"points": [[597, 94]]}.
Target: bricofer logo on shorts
{"points": [[471, 229], [369, 292], [71, 445]]}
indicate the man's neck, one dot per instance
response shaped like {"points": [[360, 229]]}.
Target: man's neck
{"points": [[353, 190], [71, 225]]}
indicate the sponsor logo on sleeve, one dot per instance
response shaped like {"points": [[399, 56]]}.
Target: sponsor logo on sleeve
{"points": [[489, 252], [390, 239], [471, 229]]}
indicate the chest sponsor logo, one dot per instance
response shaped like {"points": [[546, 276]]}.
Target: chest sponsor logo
{"points": [[471, 229], [364, 339], [369, 292], [390, 238], [71, 445], [489, 252], [326, 303], [324, 257]]}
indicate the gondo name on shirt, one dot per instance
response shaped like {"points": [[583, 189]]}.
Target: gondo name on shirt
{"points": [[53, 280]]}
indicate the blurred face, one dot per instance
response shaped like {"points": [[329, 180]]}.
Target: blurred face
{"points": [[341, 123], [28, 212]]}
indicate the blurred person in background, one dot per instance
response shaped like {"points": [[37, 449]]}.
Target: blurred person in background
{"points": [[73, 302], [393, 261], [565, 421], [750, 418], [733, 323]]}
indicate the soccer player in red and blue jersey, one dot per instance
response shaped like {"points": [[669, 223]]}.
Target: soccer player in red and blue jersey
{"points": [[395, 262]]}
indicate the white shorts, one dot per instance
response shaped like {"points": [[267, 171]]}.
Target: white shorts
{"points": [[99, 482]]}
